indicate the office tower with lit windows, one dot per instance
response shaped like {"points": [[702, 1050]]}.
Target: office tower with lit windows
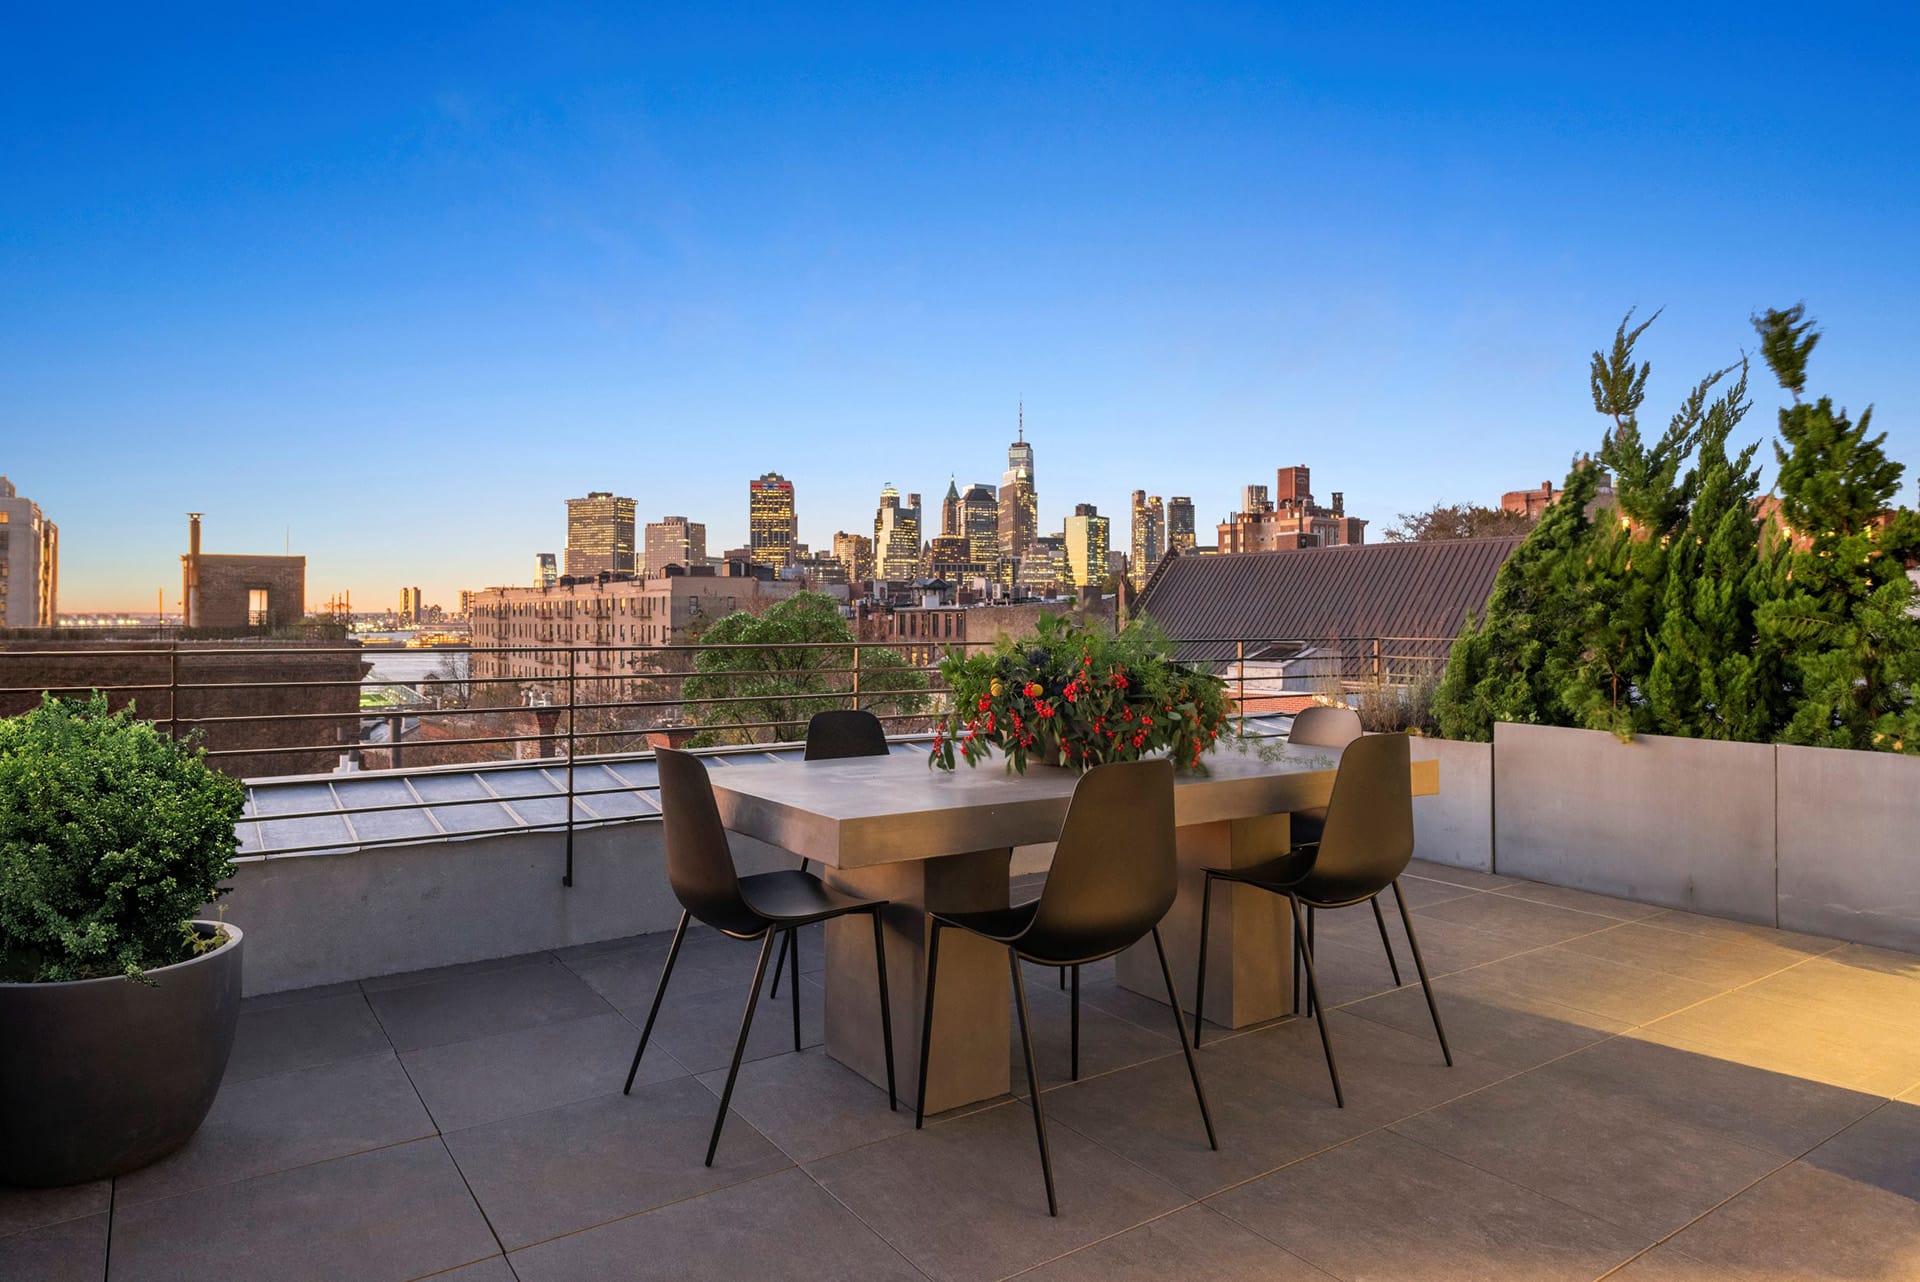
{"points": [[1019, 497], [1253, 499], [896, 537], [600, 535], [1087, 543], [546, 569], [1149, 536], [773, 529], [980, 522], [29, 562], [951, 524], [855, 551], [1180, 524], [674, 540]]}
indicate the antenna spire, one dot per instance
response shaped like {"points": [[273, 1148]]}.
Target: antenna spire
{"points": [[1023, 420]]}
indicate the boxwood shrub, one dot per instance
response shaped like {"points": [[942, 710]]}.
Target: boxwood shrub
{"points": [[112, 837]]}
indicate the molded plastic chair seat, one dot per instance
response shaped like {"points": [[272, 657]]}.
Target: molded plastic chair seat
{"points": [[1321, 726], [1295, 871], [793, 898], [1113, 879]]}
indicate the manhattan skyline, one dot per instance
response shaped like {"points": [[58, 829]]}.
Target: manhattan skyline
{"points": [[407, 294]]}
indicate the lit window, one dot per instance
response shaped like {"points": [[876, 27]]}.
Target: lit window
{"points": [[256, 607]]}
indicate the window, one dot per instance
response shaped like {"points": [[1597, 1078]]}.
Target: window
{"points": [[256, 607]]}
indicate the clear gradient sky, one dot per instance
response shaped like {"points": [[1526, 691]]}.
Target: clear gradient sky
{"points": [[403, 279]]}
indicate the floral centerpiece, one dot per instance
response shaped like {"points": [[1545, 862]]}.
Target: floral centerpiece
{"points": [[1078, 695]]}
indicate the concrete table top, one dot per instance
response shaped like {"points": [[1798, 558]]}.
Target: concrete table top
{"points": [[865, 811]]}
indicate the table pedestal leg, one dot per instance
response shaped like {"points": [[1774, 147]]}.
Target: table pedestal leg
{"points": [[970, 1023], [1250, 966]]}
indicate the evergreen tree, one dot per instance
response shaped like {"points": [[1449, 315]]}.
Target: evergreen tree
{"points": [[1839, 625]]}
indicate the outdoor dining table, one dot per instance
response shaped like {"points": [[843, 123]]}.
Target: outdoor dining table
{"points": [[893, 828]]}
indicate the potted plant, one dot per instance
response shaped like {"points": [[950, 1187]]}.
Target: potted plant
{"points": [[119, 1008], [1079, 695]]}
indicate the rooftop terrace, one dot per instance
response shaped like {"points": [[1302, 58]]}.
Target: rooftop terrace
{"points": [[1639, 1094]]}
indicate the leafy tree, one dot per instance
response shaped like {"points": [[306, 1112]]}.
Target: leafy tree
{"points": [[1839, 622], [781, 666], [1458, 521]]}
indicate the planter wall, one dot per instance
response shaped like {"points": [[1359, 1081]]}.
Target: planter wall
{"points": [[1683, 823], [1456, 826], [1849, 845]]}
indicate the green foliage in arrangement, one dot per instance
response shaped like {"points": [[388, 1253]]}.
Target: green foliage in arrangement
{"points": [[778, 668], [112, 836], [1680, 609], [1079, 695]]}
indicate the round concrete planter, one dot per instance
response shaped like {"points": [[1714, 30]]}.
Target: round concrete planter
{"points": [[101, 1076]]}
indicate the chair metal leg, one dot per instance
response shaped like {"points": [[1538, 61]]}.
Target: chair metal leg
{"points": [[886, 1009], [1313, 998], [673, 951], [1033, 1079], [926, 1023], [1385, 942], [1075, 1021], [1298, 987], [1313, 990], [793, 983], [1063, 979], [740, 1043], [779, 963], [1200, 980], [1420, 965], [1193, 1069]]}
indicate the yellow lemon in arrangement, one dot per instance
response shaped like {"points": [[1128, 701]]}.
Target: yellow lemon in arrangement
{"points": [[996, 687]]}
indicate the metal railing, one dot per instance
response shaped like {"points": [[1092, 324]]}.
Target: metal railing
{"points": [[578, 697]]}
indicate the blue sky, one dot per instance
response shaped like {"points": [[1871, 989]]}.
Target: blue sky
{"points": [[403, 278]]}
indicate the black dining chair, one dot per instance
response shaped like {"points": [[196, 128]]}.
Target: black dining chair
{"points": [[1366, 846], [1111, 882], [1328, 726], [842, 732], [700, 868]]}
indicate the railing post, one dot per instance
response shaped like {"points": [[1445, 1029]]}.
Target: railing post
{"points": [[1376, 661], [173, 690], [1240, 654], [567, 880], [396, 726], [856, 676]]}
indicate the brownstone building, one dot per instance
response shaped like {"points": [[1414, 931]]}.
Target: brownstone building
{"points": [[240, 591], [1291, 519]]}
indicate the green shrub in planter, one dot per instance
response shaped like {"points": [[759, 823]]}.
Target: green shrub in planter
{"points": [[112, 836]]}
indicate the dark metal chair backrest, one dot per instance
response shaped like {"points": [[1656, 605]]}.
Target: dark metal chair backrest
{"points": [[1324, 726], [1113, 877], [848, 732], [699, 861], [1369, 833]]}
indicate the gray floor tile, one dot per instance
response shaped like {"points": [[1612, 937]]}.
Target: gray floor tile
{"points": [[22, 1209], [1627, 993], [1447, 946], [1580, 900], [1194, 1243], [1803, 1223], [628, 978], [1721, 960], [274, 1123], [965, 1200], [1147, 1114], [1881, 1149], [434, 974], [302, 1035], [1666, 1263], [296, 996], [391, 1214], [778, 1226], [1107, 1041], [1611, 1156], [1521, 920], [1490, 1022], [1777, 1112], [1425, 890], [494, 1270], [1386, 1207], [1468, 877], [699, 1030], [1725, 928], [1810, 1041], [811, 1105], [544, 1174], [481, 1003], [1387, 1074], [1863, 992], [68, 1251], [484, 1079]]}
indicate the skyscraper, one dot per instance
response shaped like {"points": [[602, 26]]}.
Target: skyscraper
{"points": [[773, 529], [599, 535], [896, 536], [29, 562], [1253, 498], [546, 570], [674, 540], [1019, 499], [1180, 523], [951, 524], [855, 551], [980, 522], [1087, 546], [1149, 536]]}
